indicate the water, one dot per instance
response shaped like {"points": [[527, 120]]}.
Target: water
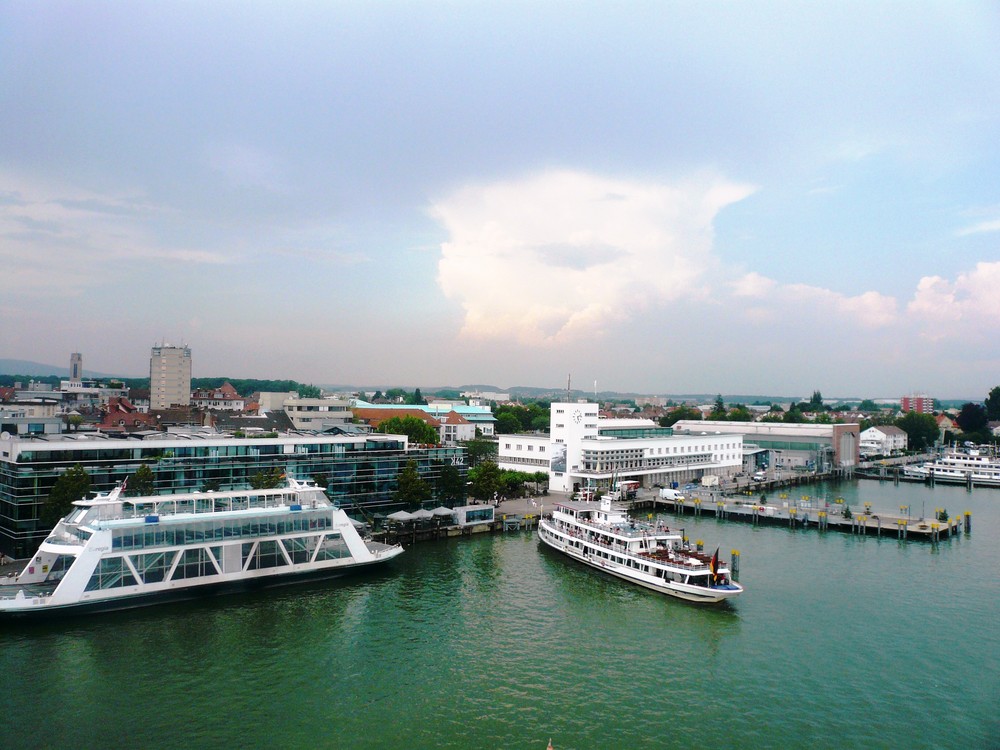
{"points": [[496, 642]]}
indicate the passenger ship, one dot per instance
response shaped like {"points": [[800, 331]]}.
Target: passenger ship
{"points": [[115, 552], [650, 555], [965, 467]]}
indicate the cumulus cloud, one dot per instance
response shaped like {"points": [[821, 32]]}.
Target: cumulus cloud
{"points": [[561, 255], [972, 296]]}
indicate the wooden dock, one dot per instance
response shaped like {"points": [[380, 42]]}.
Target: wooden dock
{"points": [[828, 517]]}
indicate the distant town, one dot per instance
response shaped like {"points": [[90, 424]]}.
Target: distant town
{"points": [[375, 451]]}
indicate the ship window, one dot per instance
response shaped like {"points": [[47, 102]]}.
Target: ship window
{"points": [[333, 548], [268, 555], [194, 563], [111, 573], [153, 567], [298, 550]]}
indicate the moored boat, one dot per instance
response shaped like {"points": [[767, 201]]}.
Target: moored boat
{"points": [[970, 466], [115, 552], [602, 536]]}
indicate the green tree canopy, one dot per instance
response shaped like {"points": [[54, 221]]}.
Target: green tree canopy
{"points": [[411, 489], [73, 485], [450, 485], [921, 430], [739, 413], [141, 484], [972, 418], [719, 409], [681, 412], [993, 404], [485, 480], [868, 405], [416, 429], [480, 450]]}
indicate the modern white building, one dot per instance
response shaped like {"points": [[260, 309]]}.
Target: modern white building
{"points": [[169, 376], [584, 451], [883, 440], [317, 413], [808, 446]]}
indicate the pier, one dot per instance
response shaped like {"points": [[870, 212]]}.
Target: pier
{"points": [[411, 533], [817, 514]]}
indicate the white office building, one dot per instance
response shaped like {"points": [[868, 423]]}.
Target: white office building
{"points": [[583, 450]]}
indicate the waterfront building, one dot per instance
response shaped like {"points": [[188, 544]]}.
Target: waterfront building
{"points": [[883, 440], [808, 446], [583, 450], [358, 470], [169, 376], [918, 402]]}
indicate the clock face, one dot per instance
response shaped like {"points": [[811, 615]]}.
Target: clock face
{"points": [[577, 416]]}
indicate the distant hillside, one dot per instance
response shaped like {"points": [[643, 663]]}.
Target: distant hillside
{"points": [[39, 370], [31, 369]]}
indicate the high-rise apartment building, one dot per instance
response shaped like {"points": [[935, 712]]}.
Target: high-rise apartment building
{"points": [[169, 376], [917, 402], [75, 367]]}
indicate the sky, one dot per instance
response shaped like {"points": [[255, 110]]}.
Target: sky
{"points": [[649, 197]]}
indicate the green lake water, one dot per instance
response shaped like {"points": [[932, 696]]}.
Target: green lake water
{"points": [[496, 642]]}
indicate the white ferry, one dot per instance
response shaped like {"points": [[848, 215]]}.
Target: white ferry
{"points": [[115, 552], [963, 467], [603, 536]]}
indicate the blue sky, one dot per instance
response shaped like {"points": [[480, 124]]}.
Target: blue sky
{"points": [[659, 197]]}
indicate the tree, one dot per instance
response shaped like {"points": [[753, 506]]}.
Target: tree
{"points": [[417, 398], [74, 421], [739, 413], [993, 404], [816, 402], [73, 485], [411, 489], [485, 480], [416, 429], [972, 418], [142, 483], [921, 430], [480, 450], [267, 480], [719, 410], [868, 405], [309, 391], [507, 424], [681, 412], [450, 487]]}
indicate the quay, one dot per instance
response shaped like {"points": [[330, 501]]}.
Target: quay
{"points": [[521, 517], [813, 513]]}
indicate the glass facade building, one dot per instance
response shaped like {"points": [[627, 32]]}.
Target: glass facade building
{"points": [[359, 471]]}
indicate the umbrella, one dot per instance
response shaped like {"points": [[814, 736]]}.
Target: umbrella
{"points": [[400, 515], [421, 514], [443, 511]]}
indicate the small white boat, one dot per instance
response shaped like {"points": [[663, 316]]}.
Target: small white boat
{"points": [[602, 536], [114, 552]]}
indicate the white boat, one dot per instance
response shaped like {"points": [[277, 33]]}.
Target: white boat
{"points": [[959, 466], [601, 535], [115, 552]]}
